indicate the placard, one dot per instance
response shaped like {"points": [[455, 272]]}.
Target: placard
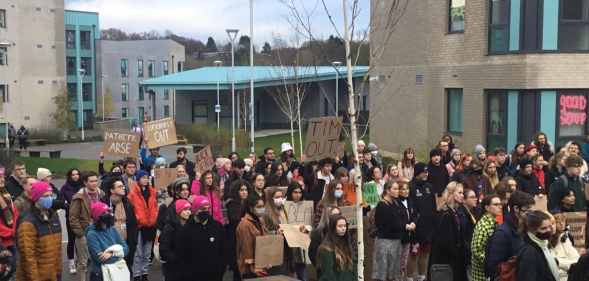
{"points": [[541, 203], [299, 213], [121, 144], [587, 191], [349, 212], [323, 138], [273, 278], [577, 223], [294, 237], [204, 159], [269, 250], [160, 132], [164, 176]]}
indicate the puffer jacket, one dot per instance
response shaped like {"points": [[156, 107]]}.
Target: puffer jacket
{"points": [[79, 214], [145, 210], [39, 244]]}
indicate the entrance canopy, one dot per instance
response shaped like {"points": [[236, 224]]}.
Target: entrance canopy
{"points": [[206, 78]]}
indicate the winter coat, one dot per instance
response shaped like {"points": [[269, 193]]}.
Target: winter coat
{"points": [[216, 206], [79, 213], [14, 187], [448, 246], [203, 248], [328, 271], [247, 231], [98, 241], [529, 184], [408, 216], [8, 229], [562, 185], [468, 222], [565, 253], [145, 211], [39, 245], [68, 190], [425, 205], [532, 264], [502, 245], [483, 230], [131, 226], [479, 183], [438, 177], [388, 220], [171, 244]]}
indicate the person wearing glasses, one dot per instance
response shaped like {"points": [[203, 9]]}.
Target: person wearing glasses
{"points": [[482, 231]]}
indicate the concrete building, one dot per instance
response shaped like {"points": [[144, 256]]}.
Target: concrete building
{"points": [[123, 65], [485, 71], [32, 60], [81, 34]]}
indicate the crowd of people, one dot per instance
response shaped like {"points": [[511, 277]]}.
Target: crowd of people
{"points": [[458, 216]]}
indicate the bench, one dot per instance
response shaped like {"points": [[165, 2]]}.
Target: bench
{"points": [[37, 142], [52, 153], [181, 140]]}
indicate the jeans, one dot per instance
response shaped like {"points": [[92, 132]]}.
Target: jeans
{"points": [[141, 258], [83, 255]]}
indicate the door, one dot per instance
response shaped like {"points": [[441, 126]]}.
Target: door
{"points": [[496, 120]]}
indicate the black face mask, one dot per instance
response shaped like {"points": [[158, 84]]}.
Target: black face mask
{"points": [[108, 220], [544, 235], [203, 216]]}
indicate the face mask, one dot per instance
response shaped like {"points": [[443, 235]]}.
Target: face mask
{"points": [[203, 216], [108, 220], [544, 236], [247, 169], [260, 211], [46, 202], [338, 194], [278, 202]]}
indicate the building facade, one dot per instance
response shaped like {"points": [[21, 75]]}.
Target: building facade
{"points": [[32, 60], [81, 33], [125, 64], [493, 72]]}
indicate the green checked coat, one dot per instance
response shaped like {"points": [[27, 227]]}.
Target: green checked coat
{"points": [[482, 231]]}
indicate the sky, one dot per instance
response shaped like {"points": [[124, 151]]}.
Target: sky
{"points": [[200, 19]]}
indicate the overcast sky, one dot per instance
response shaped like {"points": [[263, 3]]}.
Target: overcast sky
{"points": [[200, 19]]}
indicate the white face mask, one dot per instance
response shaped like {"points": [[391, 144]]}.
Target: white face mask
{"points": [[338, 194], [279, 202]]}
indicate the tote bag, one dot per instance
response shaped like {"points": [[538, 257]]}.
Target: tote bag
{"points": [[117, 271]]}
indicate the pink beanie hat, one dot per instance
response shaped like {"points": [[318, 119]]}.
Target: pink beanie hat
{"points": [[38, 189], [198, 202], [97, 209], [182, 205]]}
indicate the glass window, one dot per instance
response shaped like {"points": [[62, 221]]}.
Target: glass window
{"points": [[139, 68], [70, 39], [141, 93], [166, 94], [165, 67], [572, 9], [2, 18], [141, 112], [166, 111], [72, 91], [71, 65], [85, 40], [87, 92], [572, 114], [531, 25], [573, 34], [124, 91], [528, 116], [86, 65], [124, 112], [456, 15], [3, 56], [4, 94], [454, 99], [151, 68], [180, 66], [499, 26], [124, 69]]}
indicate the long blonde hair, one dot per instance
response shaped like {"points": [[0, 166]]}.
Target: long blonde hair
{"points": [[448, 193]]}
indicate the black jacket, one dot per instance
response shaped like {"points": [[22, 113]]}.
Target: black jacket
{"points": [[13, 187], [388, 220], [528, 184], [502, 245], [448, 246], [532, 264], [408, 215], [170, 245], [425, 205], [203, 250], [131, 229], [467, 225], [438, 177]]}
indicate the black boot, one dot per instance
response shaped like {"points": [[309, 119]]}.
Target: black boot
{"points": [[137, 278], [144, 278]]}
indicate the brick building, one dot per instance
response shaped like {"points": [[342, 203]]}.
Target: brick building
{"points": [[485, 71]]}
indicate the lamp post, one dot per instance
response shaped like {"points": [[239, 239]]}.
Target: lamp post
{"points": [[232, 33], [218, 63], [252, 134], [81, 73], [336, 64]]}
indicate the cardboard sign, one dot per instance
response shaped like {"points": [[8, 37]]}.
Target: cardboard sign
{"points": [[349, 212], [164, 176], [299, 213], [160, 132], [204, 159], [294, 237], [587, 191], [269, 250], [273, 278], [323, 138], [121, 144], [577, 223], [541, 203]]}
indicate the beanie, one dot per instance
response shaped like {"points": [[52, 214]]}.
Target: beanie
{"points": [[435, 152], [43, 173], [97, 209], [372, 147], [198, 202], [455, 151], [38, 189], [140, 174], [478, 149], [420, 168], [182, 205], [530, 147], [524, 162]]}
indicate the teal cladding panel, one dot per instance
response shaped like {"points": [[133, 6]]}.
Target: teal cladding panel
{"points": [[514, 23], [550, 25], [512, 109], [80, 18], [548, 114]]}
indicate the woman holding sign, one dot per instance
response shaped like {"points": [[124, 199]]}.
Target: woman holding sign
{"points": [[335, 261], [299, 215], [334, 197], [248, 229]]}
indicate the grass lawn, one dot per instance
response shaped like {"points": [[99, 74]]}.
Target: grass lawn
{"points": [[59, 167], [274, 142]]}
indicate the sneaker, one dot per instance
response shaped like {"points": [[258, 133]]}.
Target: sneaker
{"points": [[73, 267]]}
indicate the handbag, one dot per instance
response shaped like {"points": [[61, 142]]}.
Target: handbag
{"points": [[117, 271], [441, 272], [508, 270]]}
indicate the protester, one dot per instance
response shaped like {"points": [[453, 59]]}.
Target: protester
{"points": [[72, 186], [39, 239], [342, 177], [483, 230], [556, 168], [181, 159], [570, 181], [248, 229], [335, 261], [502, 161], [445, 151], [277, 176], [334, 197], [259, 186], [455, 158], [319, 233], [490, 172], [422, 195], [14, 183], [23, 202], [9, 216], [408, 217], [324, 172], [407, 164], [105, 245], [468, 214], [517, 154], [392, 173], [129, 176], [294, 194], [476, 180], [210, 189], [22, 134], [561, 247], [526, 180], [267, 158], [235, 201], [437, 173], [535, 262], [171, 243], [539, 165], [287, 156], [480, 153], [373, 189], [178, 189]]}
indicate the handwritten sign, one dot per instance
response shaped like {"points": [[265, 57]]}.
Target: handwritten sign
{"points": [[541, 203], [577, 223], [269, 250], [299, 213], [294, 237], [160, 132], [273, 278], [120, 144], [204, 159], [349, 212], [573, 110], [164, 176], [323, 138]]}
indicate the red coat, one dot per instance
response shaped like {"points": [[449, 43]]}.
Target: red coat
{"points": [[145, 212], [540, 175], [8, 232]]}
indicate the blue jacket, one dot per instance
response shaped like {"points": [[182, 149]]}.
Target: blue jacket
{"points": [[502, 245], [147, 160], [99, 240], [585, 152]]}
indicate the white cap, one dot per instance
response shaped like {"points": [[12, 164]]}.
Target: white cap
{"points": [[43, 173], [285, 146]]}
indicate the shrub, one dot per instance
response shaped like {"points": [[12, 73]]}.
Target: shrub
{"points": [[220, 142]]}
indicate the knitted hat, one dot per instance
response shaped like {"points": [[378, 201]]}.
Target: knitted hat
{"points": [[420, 168], [372, 147], [182, 205], [198, 202], [530, 147], [524, 162], [43, 173], [454, 152], [38, 189], [97, 209], [478, 149], [435, 152], [140, 174]]}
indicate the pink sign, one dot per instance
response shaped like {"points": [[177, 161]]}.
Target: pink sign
{"points": [[573, 110]]}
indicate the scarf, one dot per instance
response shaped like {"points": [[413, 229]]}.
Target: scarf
{"points": [[543, 244], [120, 220]]}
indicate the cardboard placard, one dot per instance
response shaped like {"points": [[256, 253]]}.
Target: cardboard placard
{"points": [[204, 159], [273, 278], [164, 176], [323, 138], [294, 237], [120, 144], [269, 250], [577, 223], [160, 132], [541, 203], [349, 212], [587, 191], [301, 213]]}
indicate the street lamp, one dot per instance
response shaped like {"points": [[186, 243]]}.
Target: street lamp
{"points": [[336, 64], [252, 76], [232, 33], [81, 73], [218, 63]]}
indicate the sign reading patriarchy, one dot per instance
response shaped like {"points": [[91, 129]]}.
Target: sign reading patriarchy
{"points": [[160, 132], [120, 144], [204, 159], [323, 138]]}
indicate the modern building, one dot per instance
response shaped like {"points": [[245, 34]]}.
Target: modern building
{"points": [[198, 90], [81, 34], [32, 60], [123, 65], [493, 72]]}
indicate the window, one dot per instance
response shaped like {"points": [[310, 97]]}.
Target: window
{"points": [[572, 115], [85, 40], [70, 39], [3, 56], [166, 94], [141, 93], [4, 98], [528, 116], [499, 26], [86, 65], [456, 16], [2, 18], [166, 111], [200, 112], [72, 91], [87, 92], [573, 33], [454, 100], [124, 69], [531, 25], [141, 112], [180, 66], [325, 107], [151, 68], [496, 120], [165, 67], [124, 112], [139, 68], [71, 65], [124, 91]]}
